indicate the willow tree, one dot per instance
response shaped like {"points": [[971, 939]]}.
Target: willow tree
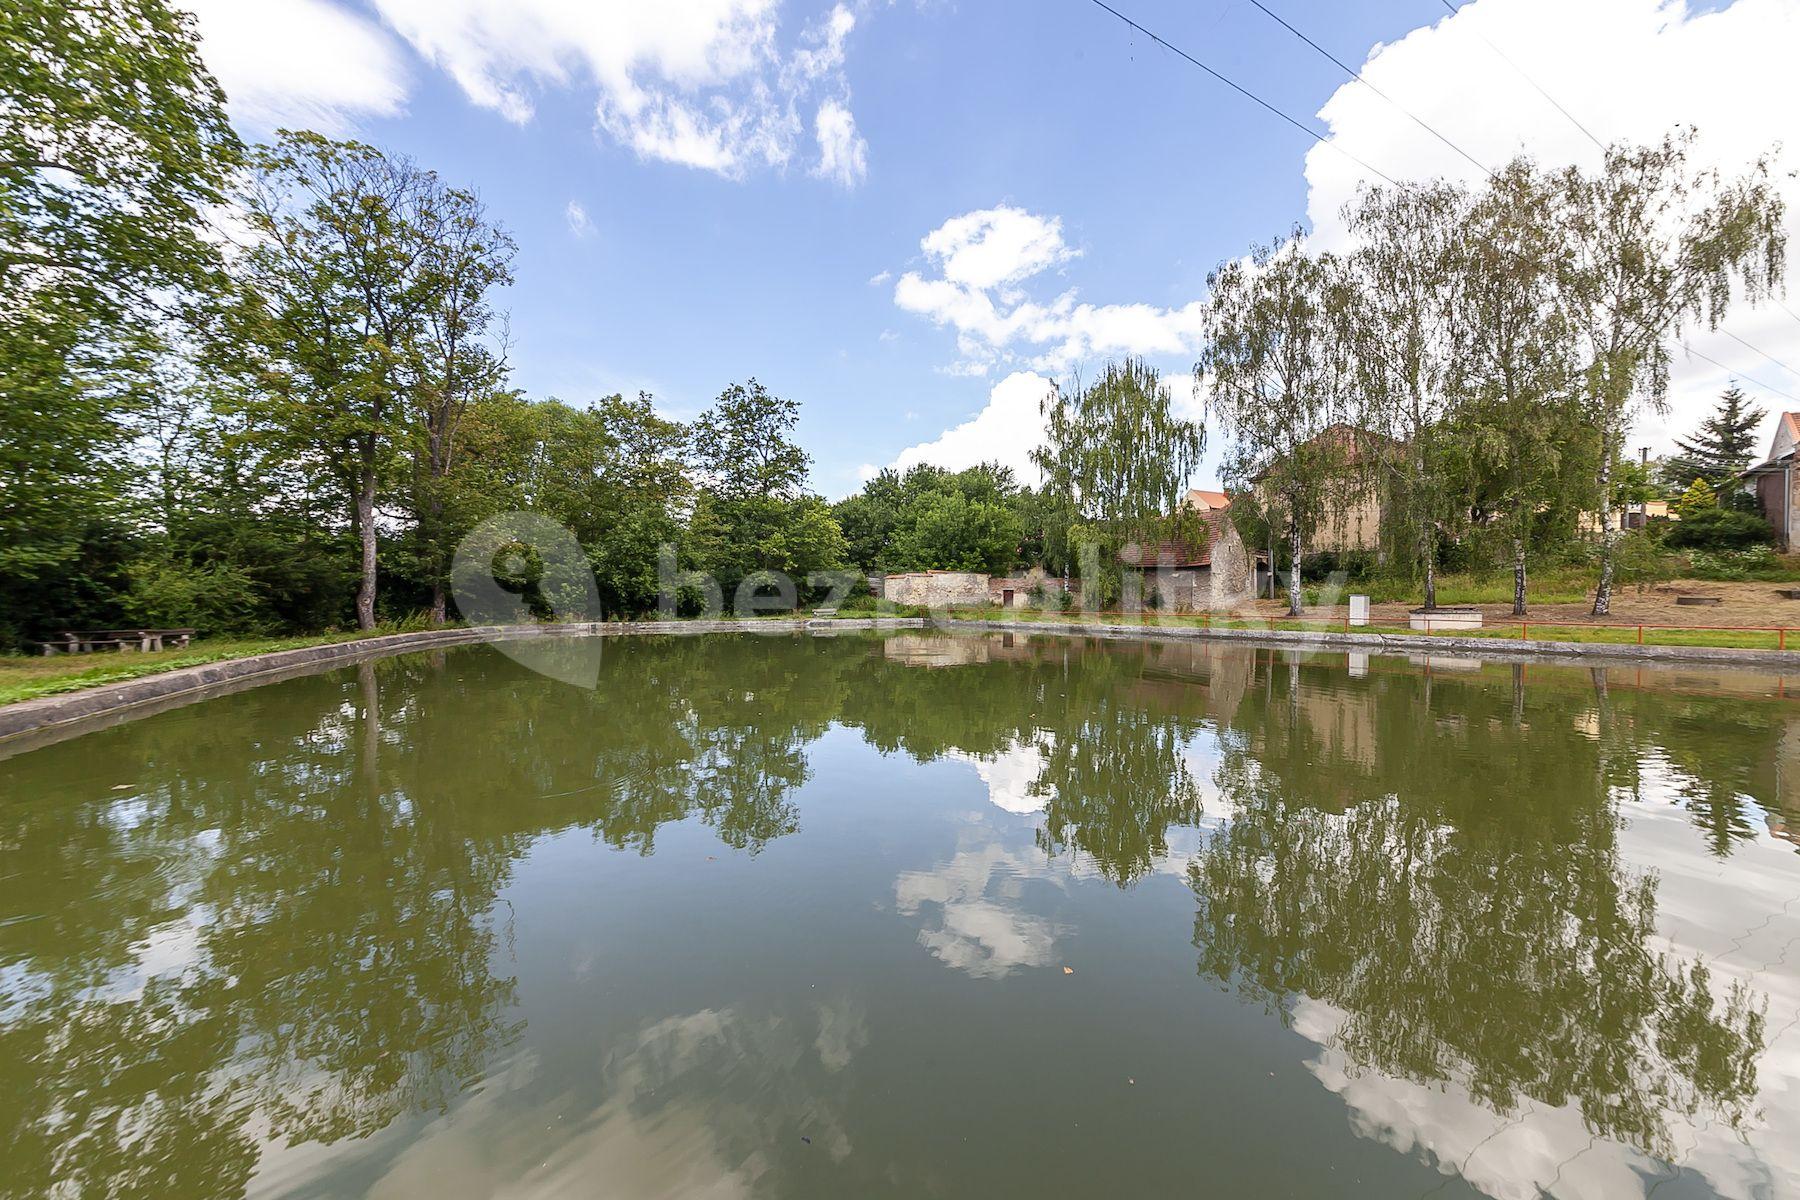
{"points": [[1409, 347], [1277, 371], [1518, 418], [1656, 245], [1117, 455]]}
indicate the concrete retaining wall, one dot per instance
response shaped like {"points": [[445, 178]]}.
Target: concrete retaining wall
{"points": [[1393, 643], [77, 711], [133, 697]]}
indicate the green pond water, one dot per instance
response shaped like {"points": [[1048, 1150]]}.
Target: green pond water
{"points": [[910, 916]]}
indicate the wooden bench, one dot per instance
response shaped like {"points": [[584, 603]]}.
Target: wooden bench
{"points": [[87, 641]]}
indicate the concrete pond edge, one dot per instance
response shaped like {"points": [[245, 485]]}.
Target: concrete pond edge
{"points": [[1506, 649], [74, 712], [126, 698]]}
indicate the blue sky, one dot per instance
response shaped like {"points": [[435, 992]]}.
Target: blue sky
{"points": [[1121, 173]]}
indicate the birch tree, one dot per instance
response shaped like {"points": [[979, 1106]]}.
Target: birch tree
{"points": [[1655, 246], [1276, 369], [1409, 349], [1518, 416], [1118, 456]]}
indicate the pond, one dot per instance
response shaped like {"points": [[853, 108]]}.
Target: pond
{"points": [[921, 915]]}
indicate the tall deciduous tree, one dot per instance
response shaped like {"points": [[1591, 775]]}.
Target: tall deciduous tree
{"points": [[461, 357], [340, 283], [1277, 372], [1519, 411], [1409, 344], [113, 146], [1655, 245], [753, 512], [1118, 457], [1721, 448]]}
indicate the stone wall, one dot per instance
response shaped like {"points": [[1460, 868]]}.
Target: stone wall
{"points": [[936, 589]]}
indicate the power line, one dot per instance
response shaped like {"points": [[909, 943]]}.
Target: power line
{"points": [[1746, 345], [1729, 371], [1784, 308], [1248, 94], [1504, 57], [1324, 141], [1357, 75]]}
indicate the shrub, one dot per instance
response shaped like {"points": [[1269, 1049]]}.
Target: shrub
{"points": [[1320, 565], [215, 598], [1718, 529], [1732, 565]]}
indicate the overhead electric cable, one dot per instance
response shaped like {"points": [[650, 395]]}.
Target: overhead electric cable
{"points": [[1538, 88], [1353, 73], [1248, 94]]}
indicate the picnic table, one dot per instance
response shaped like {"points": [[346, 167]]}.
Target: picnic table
{"points": [[86, 641]]}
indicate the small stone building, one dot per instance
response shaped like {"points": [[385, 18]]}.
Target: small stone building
{"points": [[1222, 574]]}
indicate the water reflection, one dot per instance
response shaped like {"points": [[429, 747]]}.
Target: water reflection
{"points": [[283, 920]]}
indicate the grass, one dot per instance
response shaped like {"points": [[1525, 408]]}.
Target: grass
{"points": [[1552, 585], [26, 678], [1612, 635]]}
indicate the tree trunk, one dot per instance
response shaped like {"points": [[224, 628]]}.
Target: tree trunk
{"points": [[365, 528], [1293, 567], [1428, 553], [1518, 576], [440, 609], [1603, 593]]}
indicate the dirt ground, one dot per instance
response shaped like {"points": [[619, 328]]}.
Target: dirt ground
{"points": [[1743, 604]]}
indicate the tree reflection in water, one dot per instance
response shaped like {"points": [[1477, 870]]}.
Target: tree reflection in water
{"points": [[1452, 883], [285, 927]]}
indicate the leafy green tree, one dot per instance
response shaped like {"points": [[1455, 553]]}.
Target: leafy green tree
{"points": [[870, 517], [1518, 418], [114, 146], [1276, 365], [752, 513], [1653, 245], [461, 357], [1117, 459], [744, 445], [338, 287], [932, 519], [1408, 340], [1723, 446]]}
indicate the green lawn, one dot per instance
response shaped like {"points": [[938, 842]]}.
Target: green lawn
{"points": [[25, 678], [1617, 635]]}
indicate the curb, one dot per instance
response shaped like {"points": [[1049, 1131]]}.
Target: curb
{"points": [[193, 683], [1399, 643]]}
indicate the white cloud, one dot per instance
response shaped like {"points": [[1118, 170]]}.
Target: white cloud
{"points": [[983, 261], [843, 154], [879, 278], [1626, 69], [1006, 431], [984, 249], [577, 217], [704, 83], [299, 63]]}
